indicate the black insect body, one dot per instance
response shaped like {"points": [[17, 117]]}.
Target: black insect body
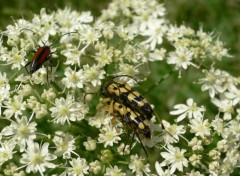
{"points": [[125, 94]]}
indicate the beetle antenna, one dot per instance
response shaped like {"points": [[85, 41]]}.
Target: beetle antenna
{"points": [[62, 36], [128, 77], [26, 29], [160, 121], [110, 79]]}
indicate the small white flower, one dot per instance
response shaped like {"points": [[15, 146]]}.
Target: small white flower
{"points": [[106, 27], [218, 51], [130, 70], [43, 74], [238, 114], [15, 58], [216, 81], [67, 110], [174, 159], [95, 167], [37, 158], [78, 167], [234, 127], [11, 169], [196, 144], [7, 150], [93, 74], [14, 106], [232, 158], [174, 33], [64, 144], [85, 17], [48, 94], [195, 159], [223, 145], [130, 53], [4, 88], [157, 55], [114, 171], [104, 56], [137, 165], [155, 31], [22, 131], [90, 144], [25, 90], [200, 127], [181, 58], [100, 119], [109, 135], [90, 35], [124, 149], [174, 132], [162, 172], [225, 106], [73, 79], [39, 109], [125, 33], [214, 167], [194, 173], [233, 94], [214, 154], [73, 55], [191, 110], [218, 125]]}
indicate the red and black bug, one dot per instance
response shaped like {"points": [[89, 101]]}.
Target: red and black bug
{"points": [[42, 55]]}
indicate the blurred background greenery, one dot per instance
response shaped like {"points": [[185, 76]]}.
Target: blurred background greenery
{"points": [[220, 16]]}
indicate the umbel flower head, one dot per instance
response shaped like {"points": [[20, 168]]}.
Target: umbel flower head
{"points": [[49, 127]]}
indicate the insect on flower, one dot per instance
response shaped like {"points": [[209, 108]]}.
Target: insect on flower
{"points": [[129, 118], [42, 54], [125, 94]]}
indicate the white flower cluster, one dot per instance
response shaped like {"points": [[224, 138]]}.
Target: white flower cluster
{"points": [[46, 125], [212, 144], [217, 136]]}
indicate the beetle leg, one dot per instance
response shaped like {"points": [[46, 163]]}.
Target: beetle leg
{"points": [[126, 142], [141, 144], [50, 64], [132, 141], [47, 76], [113, 121], [26, 67], [25, 57]]}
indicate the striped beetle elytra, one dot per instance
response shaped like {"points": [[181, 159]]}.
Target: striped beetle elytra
{"points": [[139, 123], [125, 94]]}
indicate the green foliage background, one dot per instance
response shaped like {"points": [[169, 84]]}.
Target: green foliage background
{"points": [[220, 16]]}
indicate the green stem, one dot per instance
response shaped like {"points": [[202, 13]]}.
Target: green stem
{"points": [[160, 80], [16, 73]]}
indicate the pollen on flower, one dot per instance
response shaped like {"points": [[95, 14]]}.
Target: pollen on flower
{"points": [[36, 159], [23, 131]]}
